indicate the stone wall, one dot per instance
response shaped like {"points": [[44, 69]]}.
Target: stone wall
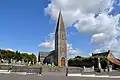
{"points": [[75, 70]]}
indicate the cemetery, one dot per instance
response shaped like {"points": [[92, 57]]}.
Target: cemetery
{"points": [[92, 66], [78, 66], [47, 69]]}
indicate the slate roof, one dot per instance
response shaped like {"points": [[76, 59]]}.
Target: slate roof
{"points": [[100, 54], [51, 53], [109, 55]]}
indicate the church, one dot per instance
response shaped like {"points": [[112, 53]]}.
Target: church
{"points": [[59, 55]]}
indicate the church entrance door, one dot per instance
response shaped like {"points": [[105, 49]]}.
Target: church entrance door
{"points": [[62, 61]]}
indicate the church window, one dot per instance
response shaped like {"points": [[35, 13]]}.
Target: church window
{"points": [[62, 36]]}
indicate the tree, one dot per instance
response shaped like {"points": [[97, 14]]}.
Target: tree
{"points": [[88, 61], [6, 54], [78, 57], [32, 57]]}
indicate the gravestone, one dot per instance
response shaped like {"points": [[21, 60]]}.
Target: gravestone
{"points": [[46, 64], [38, 64], [14, 61], [2, 60], [19, 62], [6, 61], [49, 64], [53, 64], [110, 68], [29, 63], [11, 60], [23, 61]]}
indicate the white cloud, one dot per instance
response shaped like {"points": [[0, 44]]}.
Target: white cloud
{"points": [[81, 15], [15, 50], [83, 11], [27, 52], [113, 45], [97, 51], [71, 50], [76, 9], [50, 43], [10, 49]]}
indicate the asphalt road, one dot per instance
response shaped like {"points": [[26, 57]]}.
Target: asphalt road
{"points": [[33, 77]]}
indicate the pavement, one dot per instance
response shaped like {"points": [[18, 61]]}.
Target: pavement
{"points": [[53, 74], [34, 77], [93, 75]]}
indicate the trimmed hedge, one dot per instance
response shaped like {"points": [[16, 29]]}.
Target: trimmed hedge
{"points": [[88, 61]]}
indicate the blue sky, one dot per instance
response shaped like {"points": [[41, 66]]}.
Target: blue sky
{"points": [[24, 25]]}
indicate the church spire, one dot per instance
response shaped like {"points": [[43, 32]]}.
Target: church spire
{"points": [[61, 42], [60, 23]]}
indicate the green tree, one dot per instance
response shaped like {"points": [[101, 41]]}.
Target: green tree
{"points": [[6, 54]]}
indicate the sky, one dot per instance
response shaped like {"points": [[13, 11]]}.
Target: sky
{"points": [[29, 25]]}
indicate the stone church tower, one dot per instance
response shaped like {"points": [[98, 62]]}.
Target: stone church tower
{"points": [[59, 55], [61, 42]]}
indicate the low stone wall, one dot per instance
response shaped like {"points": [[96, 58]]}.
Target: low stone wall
{"points": [[37, 70], [33, 70], [18, 69], [53, 69], [4, 67], [114, 73], [75, 70]]}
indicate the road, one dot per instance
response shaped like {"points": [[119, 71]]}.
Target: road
{"points": [[33, 77]]}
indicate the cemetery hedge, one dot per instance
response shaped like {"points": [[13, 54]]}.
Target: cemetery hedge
{"points": [[8, 55], [88, 61]]}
